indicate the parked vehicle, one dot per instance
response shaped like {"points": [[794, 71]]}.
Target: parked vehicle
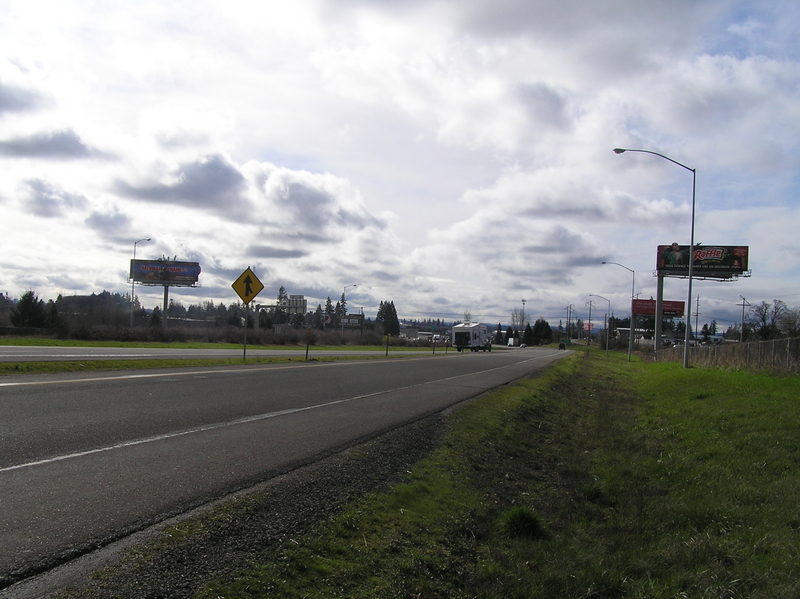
{"points": [[474, 337]]}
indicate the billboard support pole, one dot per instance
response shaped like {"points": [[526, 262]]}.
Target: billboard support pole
{"points": [[659, 316], [166, 303], [691, 270]]}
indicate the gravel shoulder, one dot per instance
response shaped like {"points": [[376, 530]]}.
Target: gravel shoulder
{"points": [[177, 557]]}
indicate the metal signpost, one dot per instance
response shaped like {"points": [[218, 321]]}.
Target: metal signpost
{"points": [[247, 287]]}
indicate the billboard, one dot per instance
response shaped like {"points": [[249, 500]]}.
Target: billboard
{"points": [[713, 261], [165, 272], [669, 309], [352, 321]]}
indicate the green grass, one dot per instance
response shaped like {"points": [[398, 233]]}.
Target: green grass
{"points": [[48, 342], [600, 478], [89, 365]]}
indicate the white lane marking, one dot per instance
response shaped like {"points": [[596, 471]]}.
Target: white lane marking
{"points": [[249, 419]]}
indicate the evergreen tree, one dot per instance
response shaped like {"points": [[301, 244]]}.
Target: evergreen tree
{"points": [[29, 312], [541, 332], [280, 315], [387, 315], [498, 335], [527, 335]]}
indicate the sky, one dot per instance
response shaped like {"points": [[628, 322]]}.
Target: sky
{"points": [[450, 156]]}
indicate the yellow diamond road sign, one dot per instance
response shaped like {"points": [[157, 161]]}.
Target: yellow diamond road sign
{"points": [[247, 286]]}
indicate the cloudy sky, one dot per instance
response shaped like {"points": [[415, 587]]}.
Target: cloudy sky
{"points": [[450, 156]]}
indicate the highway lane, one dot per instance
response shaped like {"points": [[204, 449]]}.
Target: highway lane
{"points": [[14, 353], [85, 459]]}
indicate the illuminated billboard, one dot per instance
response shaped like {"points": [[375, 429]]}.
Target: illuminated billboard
{"points": [[165, 272], [713, 261], [668, 308]]}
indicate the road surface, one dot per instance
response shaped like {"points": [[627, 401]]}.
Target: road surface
{"points": [[89, 458]]}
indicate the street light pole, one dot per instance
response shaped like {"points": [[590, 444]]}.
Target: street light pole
{"points": [[344, 306], [633, 294], [605, 322], [133, 280], [691, 248]]}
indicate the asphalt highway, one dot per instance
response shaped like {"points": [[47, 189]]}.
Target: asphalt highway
{"points": [[89, 458], [12, 353]]}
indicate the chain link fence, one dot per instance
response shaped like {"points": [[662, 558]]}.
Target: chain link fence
{"points": [[778, 356]]}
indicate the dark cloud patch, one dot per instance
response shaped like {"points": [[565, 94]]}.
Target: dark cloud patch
{"points": [[111, 225], [302, 237], [210, 183], [382, 275], [45, 200], [558, 240], [265, 251], [17, 99], [317, 209], [561, 209], [545, 105], [61, 145]]}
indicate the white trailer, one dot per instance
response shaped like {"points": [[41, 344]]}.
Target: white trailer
{"points": [[474, 337]]}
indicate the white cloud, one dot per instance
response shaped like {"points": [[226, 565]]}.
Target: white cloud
{"points": [[446, 155]]}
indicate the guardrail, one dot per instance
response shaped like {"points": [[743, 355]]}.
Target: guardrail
{"points": [[777, 355]]}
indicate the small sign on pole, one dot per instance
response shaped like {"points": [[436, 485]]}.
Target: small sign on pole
{"points": [[247, 287]]}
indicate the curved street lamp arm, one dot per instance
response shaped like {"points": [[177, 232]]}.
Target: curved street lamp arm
{"points": [[621, 150]]}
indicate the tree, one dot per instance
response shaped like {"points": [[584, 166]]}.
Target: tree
{"points": [[527, 335], [541, 331], [498, 335], [387, 315], [765, 318], [29, 312], [319, 318], [789, 323], [282, 302], [517, 318]]}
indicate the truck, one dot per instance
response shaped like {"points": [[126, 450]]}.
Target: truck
{"points": [[474, 337]]}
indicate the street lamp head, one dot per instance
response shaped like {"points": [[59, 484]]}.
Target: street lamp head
{"points": [[147, 239], [619, 150]]}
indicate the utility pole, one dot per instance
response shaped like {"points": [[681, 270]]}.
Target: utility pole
{"points": [[741, 333]]}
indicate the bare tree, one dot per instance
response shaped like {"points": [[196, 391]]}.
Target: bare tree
{"points": [[517, 318], [765, 318], [789, 322]]}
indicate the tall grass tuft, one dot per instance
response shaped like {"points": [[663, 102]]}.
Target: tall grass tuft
{"points": [[522, 521]]}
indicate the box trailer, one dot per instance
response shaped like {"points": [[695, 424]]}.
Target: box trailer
{"points": [[474, 337]]}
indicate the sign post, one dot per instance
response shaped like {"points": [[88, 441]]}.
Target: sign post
{"points": [[247, 287]]}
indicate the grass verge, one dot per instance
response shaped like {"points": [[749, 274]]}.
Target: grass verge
{"points": [[9, 368], [600, 478]]}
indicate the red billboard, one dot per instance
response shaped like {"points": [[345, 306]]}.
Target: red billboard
{"points": [[713, 261], [165, 272], [668, 308]]}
